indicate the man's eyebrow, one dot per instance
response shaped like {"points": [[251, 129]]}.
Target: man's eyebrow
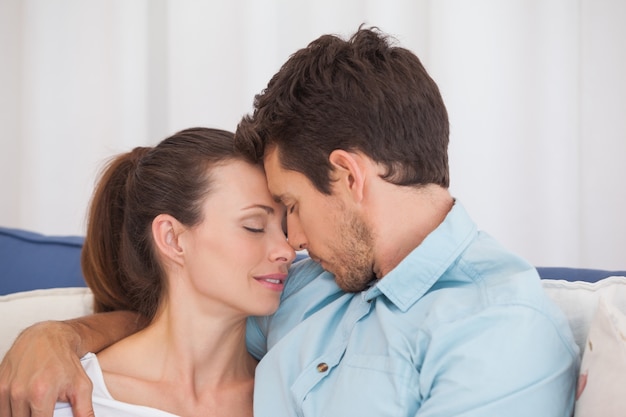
{"points": [[279, 198]]}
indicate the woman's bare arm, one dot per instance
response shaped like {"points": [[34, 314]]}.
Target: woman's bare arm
{"points": [[43, 365]]}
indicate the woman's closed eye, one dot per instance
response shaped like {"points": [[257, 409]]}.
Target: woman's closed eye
{"points": [[254, 229]]}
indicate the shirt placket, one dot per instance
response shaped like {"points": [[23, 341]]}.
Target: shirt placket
{"points": [[321, 367]]}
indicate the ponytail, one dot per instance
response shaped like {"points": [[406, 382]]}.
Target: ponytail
{"points": [[101, 258]]}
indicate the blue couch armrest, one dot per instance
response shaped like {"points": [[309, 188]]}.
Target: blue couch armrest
{"points": [[31, 261]]}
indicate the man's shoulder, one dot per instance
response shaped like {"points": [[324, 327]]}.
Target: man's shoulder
{"points": [[488, 277]]}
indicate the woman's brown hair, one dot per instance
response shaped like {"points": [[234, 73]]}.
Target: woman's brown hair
{"points": [[118, 260]]}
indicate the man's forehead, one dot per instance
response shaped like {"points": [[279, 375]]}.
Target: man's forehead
{"points": [[274, 174], [278, 178], [277, 187], [272, 165]]}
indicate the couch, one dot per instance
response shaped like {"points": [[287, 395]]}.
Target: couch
{"points": [[40, 279]]}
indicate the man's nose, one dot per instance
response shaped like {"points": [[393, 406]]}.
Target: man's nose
{"points": [[295, 235]]}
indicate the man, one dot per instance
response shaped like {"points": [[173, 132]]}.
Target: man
{"points": [[405, 308]]}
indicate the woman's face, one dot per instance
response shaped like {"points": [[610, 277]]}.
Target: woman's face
{"points": [[238, 256]]}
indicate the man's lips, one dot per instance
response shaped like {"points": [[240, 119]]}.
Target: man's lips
{"points": [[272, 281]]}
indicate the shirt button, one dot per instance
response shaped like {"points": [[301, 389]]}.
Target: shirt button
{"points": [[322, 367]]}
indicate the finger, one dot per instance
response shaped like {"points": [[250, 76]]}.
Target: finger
{"points": [[43, 401], [80, 398], [18, 408], [83, 408], [18, 401], [5, 406], [5, 399]]}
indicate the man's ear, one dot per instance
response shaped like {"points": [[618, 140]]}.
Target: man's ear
{"points": [[350, 170], [166, 231]]}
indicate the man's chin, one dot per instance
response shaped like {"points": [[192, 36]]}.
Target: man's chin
{"points": [[342, 278], [351, 285]]}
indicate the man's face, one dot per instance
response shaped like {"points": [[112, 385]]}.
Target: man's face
{"points": [[327, 227]]}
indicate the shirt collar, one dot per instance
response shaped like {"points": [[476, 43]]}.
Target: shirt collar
{"points": [[415, 274]]}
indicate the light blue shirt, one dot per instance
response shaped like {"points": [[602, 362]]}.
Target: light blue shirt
{"points": [[461, 327]]}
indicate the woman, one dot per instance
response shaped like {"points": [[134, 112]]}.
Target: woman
{"points": [[187, 234]]}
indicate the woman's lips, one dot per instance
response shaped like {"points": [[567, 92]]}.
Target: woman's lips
{"points": [[274, 282]]}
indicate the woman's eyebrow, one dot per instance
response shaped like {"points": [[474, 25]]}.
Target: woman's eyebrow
{"points": [[268, 209]]}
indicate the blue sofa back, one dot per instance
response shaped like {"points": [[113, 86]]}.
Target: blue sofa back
{"points": [[30, 260]]}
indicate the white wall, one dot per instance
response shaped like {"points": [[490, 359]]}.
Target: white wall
{"points": [[535, 92]]}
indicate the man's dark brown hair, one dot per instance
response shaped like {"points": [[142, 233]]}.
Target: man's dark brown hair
{"points": [[362, 94]]}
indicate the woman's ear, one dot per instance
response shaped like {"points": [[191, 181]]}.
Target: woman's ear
{"points": [[349, 170], [166, 231]]}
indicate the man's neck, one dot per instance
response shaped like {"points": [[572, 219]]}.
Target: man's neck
{"points": [[402, 218]]}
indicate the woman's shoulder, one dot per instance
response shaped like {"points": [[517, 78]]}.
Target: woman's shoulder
{"points": [[103, 403], [92, 367]]}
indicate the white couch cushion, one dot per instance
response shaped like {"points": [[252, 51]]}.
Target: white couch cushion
{"points": [[579, 301], [20, 310], [603, 369]]}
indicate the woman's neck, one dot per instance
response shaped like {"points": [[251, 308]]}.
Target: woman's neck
{"points": [[187, 359]]}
